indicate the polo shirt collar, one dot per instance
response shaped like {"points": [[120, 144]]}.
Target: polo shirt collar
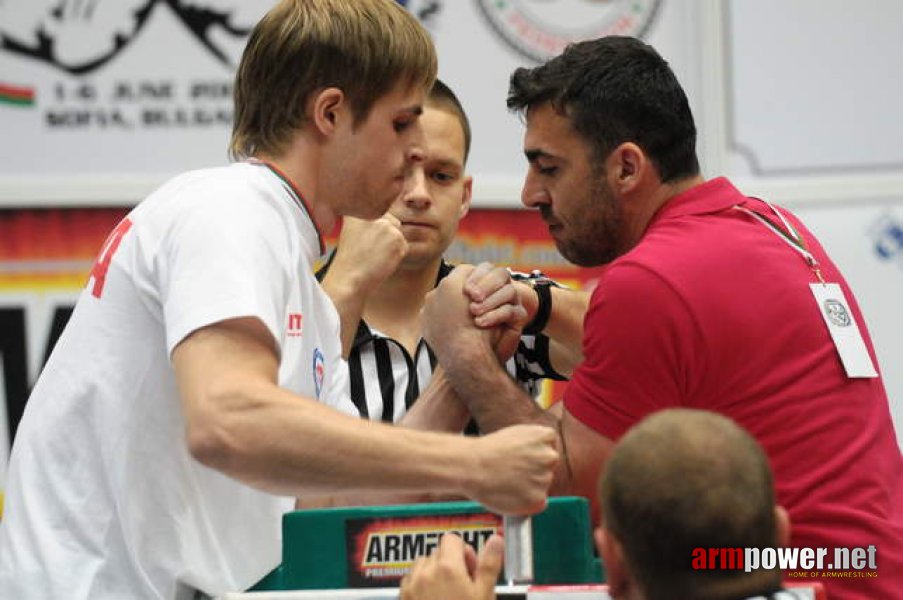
{"points": [[708, 197]]}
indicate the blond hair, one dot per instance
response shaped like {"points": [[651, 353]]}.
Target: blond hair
{"points": [[363, 47]]}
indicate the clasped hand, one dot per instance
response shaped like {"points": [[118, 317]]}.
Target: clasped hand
{"points": [[474, 305]]}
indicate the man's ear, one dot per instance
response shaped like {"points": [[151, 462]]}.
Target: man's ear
{"points": [[325, 108], [626, 167], [782, 524], [612, 553], [468, 196]]}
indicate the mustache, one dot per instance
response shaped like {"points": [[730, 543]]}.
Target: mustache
{"points": [[546, 212]]}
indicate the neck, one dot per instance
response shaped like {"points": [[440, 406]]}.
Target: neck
{"points": [[301, 164], [757, 583], [400, 297], [649, 200], [744, 585]]}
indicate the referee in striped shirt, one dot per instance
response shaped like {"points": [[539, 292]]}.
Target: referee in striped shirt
{"points": [[396, 260]]}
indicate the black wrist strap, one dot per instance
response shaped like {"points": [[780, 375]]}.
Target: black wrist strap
{"points": [[543, 291]]}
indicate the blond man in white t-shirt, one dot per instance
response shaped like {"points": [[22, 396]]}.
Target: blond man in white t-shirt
{"points": [[193, 393]]}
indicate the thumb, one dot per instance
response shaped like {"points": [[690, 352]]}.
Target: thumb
{"points": [[506, 342], [489, 565]]}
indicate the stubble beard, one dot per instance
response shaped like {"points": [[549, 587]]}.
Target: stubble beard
{"points": [[594, 237]]}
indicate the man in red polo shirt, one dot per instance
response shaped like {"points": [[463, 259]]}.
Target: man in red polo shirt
{"points": [[710, 300]]}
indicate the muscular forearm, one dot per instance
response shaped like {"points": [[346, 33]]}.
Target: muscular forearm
{"points": [[240, 422], [284, 444], [487, 391], [438, 408], [566, 320], [368, 499], [496, 401], [564, 359], [349, 303]]}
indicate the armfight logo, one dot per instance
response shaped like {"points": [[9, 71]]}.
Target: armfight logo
{"points": [[382, 551], [540, 29]]}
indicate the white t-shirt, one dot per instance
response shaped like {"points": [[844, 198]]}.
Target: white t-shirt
{"points": [[104, 499]]}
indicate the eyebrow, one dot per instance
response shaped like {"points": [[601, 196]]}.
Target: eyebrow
{"points": [[416, 110], [446, 163], [535, 154]]}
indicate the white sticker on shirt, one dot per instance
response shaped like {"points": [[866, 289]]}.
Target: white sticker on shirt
{"points": [[835, 310]]}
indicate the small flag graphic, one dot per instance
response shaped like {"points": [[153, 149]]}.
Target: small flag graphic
{"points": [[16, 95]]}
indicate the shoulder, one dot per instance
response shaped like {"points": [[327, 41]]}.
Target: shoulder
{"points": [[634, 281], [216, 196], [238, 183], [226, 210]]}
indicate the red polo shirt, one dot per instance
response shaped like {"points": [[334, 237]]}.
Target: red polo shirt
{"points": [[712, 310]]}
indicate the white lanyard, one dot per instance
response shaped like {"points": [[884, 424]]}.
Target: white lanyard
{"points": [[790, 236], [829, 298]]}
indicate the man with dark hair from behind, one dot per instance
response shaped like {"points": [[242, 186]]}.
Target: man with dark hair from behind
{"points": [[680, 480]]}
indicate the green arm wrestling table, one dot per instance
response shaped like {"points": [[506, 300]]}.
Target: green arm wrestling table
{"points": [[361, 553]]}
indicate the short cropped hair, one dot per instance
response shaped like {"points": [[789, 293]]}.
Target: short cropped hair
{"points": [[441, 96], [616, 89], [684, 479], [363, 47]]}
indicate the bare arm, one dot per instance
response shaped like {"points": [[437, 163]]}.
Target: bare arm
{"points": [[585, 453], [241, 423], [367, 253], [437, 409], [494, 399]]}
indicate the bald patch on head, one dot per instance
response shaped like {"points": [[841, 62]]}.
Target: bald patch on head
{"points": [[710, 449], [683, 479]]}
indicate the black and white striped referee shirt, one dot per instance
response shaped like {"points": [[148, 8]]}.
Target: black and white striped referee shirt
{"points": [[386, 379]]}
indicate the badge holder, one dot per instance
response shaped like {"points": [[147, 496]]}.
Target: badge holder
{"points": [[830, 299]]}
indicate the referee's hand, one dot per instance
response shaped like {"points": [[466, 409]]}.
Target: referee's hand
{"points": [[455, 572], [517, 465]]}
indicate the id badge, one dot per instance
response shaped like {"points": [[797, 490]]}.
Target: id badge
{"points": [[835, 310]]}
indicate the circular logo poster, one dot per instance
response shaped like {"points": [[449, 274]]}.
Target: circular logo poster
{"points": [[540, 29]]}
